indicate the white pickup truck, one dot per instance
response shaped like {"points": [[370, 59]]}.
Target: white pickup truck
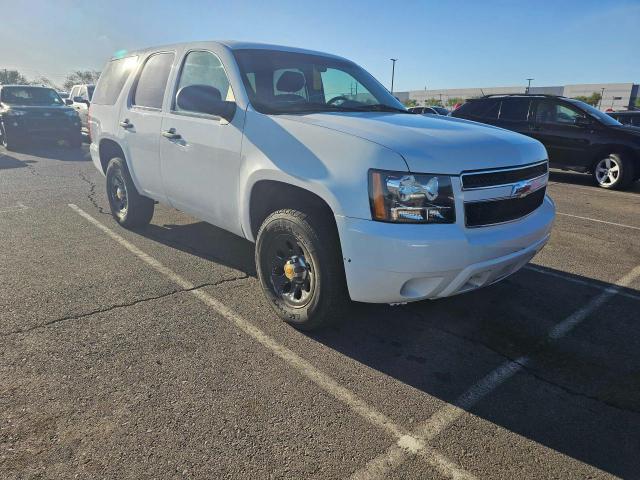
{"points": [[346, 194]]}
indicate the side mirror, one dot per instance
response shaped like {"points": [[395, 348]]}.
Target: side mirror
{"points": [[68, 101], [583, 122], [205, 99]]}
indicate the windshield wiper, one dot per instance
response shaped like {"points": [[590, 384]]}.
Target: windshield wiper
{"points": [[380, 107], [311, 107]]}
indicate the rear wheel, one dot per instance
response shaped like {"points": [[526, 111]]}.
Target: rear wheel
{"points": [[299, 263], [128, 207], [615, 171]]}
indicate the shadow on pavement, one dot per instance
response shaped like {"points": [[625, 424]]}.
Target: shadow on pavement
{"points": [[55, 152], [579, 395], [7, 162]]}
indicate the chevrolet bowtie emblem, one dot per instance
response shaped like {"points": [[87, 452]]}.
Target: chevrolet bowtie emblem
{"points": [[521, 189]]}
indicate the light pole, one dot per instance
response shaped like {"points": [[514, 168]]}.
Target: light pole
{"points": [[601, 98], [529, 84], [393, 71]]}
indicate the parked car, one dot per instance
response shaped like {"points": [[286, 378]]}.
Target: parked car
{"points": [[347, 196], [433, 110], [631, 117], [577, 136], [81, 97], [36, 113]]}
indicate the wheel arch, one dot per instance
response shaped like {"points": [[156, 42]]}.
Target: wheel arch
{"points": [[268, 196], [615, 148]]}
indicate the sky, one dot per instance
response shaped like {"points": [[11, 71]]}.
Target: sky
{"points": [[438, 44]]}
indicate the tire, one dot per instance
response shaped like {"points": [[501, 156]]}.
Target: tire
{"points": [[614, 172], [8, 143], [128, 207], [319, 274]]}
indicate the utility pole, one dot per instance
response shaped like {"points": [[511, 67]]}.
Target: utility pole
{"points": [[529, 84], [393, 71], [601, 98]]}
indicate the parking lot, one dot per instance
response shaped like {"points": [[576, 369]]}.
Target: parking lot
{"points": [[152, 354]]}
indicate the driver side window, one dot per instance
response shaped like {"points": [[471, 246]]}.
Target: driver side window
{"points": [[338, 83]]}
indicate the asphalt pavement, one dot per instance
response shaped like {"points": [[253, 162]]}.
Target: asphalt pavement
{"points": [[153, 354]]}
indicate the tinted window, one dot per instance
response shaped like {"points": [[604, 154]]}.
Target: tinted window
{"points": [[36, 96], [153, 81], [112, 80], [514, 109], [204, 68], [482, 108], [553, 112]]}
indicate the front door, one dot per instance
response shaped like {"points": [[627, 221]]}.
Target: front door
{"points": [[557, 125], [200, 153]]}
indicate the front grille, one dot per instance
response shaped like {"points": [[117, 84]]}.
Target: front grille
{"points": [[490, 212], [502, 177]]}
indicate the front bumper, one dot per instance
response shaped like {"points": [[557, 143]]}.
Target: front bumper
{"points": [[396, 263], [25, 130]]}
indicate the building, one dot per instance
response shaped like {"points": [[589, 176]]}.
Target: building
{"points": [[618, 96]]}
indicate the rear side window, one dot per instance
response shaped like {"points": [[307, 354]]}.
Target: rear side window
{"points": [[483, 108], [153, 81], [112, 79], [515, 109]]}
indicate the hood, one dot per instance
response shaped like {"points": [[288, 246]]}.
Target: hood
{"points": [[635, 131], [434, 144]]}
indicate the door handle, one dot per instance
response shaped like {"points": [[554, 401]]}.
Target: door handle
{"points": [[171, 134], [126, 124]]}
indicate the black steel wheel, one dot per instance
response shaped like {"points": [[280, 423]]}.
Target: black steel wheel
{"points": [[128, 207], [299, 263]]}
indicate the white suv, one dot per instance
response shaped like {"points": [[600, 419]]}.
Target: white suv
{"points": [[346, 194]]}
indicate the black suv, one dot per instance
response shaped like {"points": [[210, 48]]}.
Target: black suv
{"points": [[576, 135], [36, 113]]}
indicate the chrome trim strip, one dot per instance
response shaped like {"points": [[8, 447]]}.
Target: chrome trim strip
{"points": [[509, 197], [498, 170]]}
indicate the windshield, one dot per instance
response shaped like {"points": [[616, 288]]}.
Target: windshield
{"points": [[597, 114], [32, 96], [287, 82]]}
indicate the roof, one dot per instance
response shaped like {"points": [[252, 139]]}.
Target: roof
{"points": [[234, 45], [541, 95]]}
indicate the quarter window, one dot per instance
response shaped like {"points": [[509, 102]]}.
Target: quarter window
{"points": [[204, 68], [112, 79], [153, 81]]}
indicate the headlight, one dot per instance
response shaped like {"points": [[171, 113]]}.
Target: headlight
{"points": [[411, 198]]}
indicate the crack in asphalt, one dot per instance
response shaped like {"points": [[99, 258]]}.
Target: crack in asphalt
{"points": [[122, 305], [540, 347], [92, 193]]}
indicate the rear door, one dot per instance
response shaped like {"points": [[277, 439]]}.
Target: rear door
{"points": [[555, 125], [140, 122], [201, 163]]}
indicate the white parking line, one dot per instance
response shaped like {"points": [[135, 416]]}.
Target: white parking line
{"points": [[595, 190], [407, 443], [579, 281], [17, 207], [598, 221], [381, 466]]}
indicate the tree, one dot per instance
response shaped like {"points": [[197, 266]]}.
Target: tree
{"points": [[79, 77], [637, 103], [454, 100], [593, 99], [410, 102], [432, 101], [12, 77], [44, 81]]}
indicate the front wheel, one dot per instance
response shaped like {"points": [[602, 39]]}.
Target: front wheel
{"points": [[615, 172], [8, 143], [299, 263], [128, 207]]}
